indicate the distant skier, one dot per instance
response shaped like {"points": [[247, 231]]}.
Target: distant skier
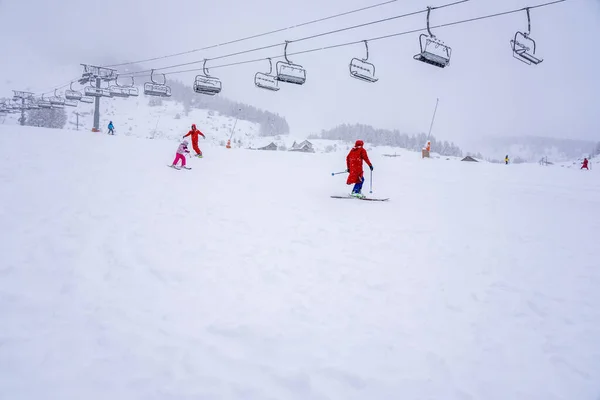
{"points": [[111, 128], [354, 164], [181, 150], [194, 134], [585, 164], [506, 160]]}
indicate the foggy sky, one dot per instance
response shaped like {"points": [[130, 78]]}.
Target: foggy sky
{"points": [[484, 91]]}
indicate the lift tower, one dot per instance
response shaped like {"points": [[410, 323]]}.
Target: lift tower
{"points": [[23, 96], [94, 76]]}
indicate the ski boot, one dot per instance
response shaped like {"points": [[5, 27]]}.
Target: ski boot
{"points": [[358, 195]]}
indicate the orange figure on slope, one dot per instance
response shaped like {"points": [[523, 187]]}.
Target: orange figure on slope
{"points": [[194, 134]]}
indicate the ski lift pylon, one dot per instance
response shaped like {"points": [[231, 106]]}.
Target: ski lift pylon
{"points": [[433, 50], [71, 94], [288, 71], [267, 81], [205, 84], [523, 46], [362, 69], [154, 88]]}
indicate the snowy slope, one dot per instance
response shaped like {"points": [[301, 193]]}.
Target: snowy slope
{"points": [[121, 278], [135, 117]]}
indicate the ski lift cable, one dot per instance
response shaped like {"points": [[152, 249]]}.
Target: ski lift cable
{"points": [[256, 35], [145, 73], [503, 13], [379, 21]]}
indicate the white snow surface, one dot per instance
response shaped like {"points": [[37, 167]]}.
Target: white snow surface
{"points": [[121, 278]]}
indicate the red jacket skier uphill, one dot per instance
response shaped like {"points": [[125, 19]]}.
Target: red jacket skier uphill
{"points": [[354, 163], [194, 134]]}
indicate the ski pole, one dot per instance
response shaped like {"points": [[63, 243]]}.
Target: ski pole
{"points": [[371, 183], [337, 173]]}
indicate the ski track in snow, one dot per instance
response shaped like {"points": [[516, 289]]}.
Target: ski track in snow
{"points": [[242, 279]]}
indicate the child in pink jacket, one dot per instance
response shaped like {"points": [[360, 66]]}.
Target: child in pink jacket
{"points": [[181, 150]]}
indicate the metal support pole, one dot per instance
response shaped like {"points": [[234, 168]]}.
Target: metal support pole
{"points": [[432, 119], [96, 127], [22, 119]]}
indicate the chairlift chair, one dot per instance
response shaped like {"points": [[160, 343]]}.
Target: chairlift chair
{"points": [[154, 88], [32, 105], [133, 90], [92, 91], [71, 94], [433, 50], [266, 80], [95, 91], [362, 69], [205, 84], [86, 99], [289, 72], [523, 46], [56, 101], [43, 103], [117, 90]]}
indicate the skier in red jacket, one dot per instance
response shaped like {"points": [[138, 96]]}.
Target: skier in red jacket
{"points": [[584, 164], [194, 134], [354, 163]]}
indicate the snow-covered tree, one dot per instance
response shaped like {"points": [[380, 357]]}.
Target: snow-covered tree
{"points": [[47, 118]]}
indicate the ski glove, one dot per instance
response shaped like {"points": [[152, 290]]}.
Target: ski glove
{"points": [[370, 166]]}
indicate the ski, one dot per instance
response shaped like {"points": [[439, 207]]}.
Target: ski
{"points": [[359, 198], [178, 167]]}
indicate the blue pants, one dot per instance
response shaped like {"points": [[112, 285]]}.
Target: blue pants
{"points": [[358, 186]]}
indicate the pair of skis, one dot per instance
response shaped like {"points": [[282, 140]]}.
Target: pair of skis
{"points": [[184, 167], [355, 197], [359, 198]]}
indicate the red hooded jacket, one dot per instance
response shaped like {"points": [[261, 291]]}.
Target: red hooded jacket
{"points": [[354, 162], [194, 133]]}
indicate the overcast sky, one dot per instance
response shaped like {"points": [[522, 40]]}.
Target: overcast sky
{"points": [[484, 91]]}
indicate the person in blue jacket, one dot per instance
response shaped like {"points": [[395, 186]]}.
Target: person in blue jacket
{"points": [[111, 128]]}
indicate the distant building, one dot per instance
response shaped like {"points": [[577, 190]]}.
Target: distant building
{"points": [[270, 146], [469, 158], [305, 147]]}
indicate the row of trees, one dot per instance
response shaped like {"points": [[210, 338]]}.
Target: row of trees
{"points": [[46, 118], [386, 137]]}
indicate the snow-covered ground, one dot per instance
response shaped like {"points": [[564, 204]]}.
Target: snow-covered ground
{"points": [[121, 278], [136, 117]]}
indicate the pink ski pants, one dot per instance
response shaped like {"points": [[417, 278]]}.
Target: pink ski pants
{"points": [[179, 157]]}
